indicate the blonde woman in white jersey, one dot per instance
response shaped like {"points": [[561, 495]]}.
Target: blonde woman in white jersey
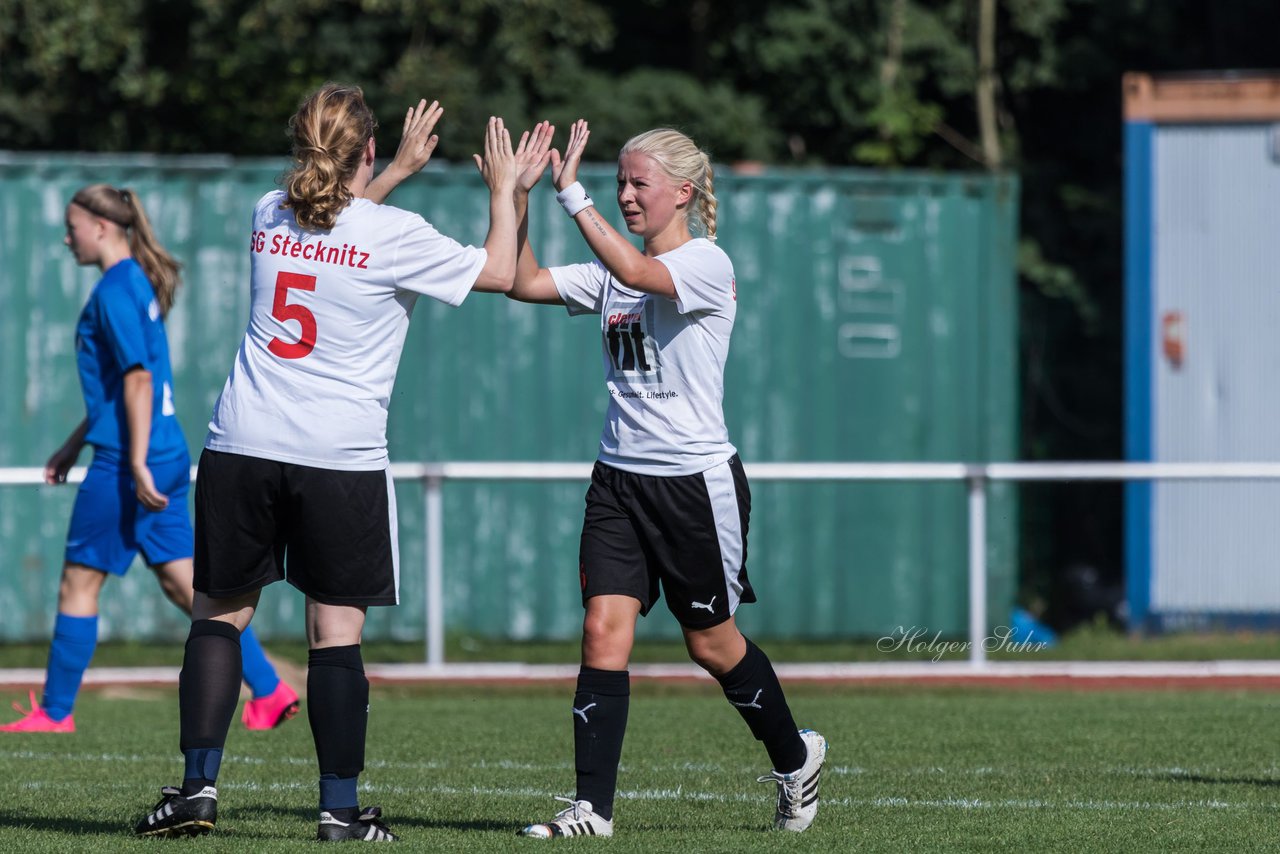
{"points": [[668, 504], [294, 482]]}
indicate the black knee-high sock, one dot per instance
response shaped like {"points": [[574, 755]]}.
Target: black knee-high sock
{"points": [[338, 709], [599, 722], [208, 690], [752, 687]]}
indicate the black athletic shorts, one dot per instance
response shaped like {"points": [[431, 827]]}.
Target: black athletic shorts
{"points": [[689, 532], [329, 533]]}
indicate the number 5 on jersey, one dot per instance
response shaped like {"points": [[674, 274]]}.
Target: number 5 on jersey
{"points": [[283, 311]]}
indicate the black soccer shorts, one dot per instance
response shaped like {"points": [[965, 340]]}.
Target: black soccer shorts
{"points": [[329, 533], [687, 532]]}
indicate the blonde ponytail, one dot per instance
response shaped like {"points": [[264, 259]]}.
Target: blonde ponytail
{"points": [[707, 205], [329, 132]]}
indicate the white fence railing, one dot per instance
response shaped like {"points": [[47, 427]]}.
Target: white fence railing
{"points": [[975, 475]]}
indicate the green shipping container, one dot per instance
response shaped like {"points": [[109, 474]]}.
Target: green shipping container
{"points": [[876, 322]]}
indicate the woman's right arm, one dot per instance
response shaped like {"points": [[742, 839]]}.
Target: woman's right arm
{"points": [[499, 171], [533, 283], [55, 470]]}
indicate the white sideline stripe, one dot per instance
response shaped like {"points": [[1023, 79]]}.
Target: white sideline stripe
{"points": [[680, 794], [1171, 772], [868, 670], [885, 802]]}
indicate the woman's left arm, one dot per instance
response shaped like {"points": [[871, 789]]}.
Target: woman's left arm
{"points": [[137, 408], [416, 146], [631, 267]]}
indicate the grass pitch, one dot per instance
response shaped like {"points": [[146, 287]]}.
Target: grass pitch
{"points": [[460, 768]]}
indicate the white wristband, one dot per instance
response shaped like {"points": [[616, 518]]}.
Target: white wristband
{"points": [[574, 199]]}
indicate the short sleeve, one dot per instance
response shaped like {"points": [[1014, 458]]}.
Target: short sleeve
{"points": [[429, 263], [269, 207], [581, 286], [703, 277], [122, 322]]}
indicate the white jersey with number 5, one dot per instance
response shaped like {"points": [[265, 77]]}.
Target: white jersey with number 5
{"points": [[329, 314], [663, 360]]}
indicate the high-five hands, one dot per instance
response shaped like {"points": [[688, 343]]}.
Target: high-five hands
{"points": [[532, 155], [418, 143], [565, 172], [498, 165]]}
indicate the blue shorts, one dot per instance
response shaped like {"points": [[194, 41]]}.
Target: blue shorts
{"points": [[109, 526]]}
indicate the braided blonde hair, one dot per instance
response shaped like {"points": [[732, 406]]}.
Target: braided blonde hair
{"points": [[329, 132], [123, 208], [681, 160]]}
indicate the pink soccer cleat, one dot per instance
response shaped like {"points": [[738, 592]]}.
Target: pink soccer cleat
{"points": [[272, 710], [36, 719]]}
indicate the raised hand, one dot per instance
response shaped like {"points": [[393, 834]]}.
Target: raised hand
{"points": [[532, 155], [565, 172], [417, 143], [498, 165]]}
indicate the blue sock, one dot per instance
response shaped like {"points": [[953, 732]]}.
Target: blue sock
{"points": [[202, 766], [74, 640], [338, 796], [258, 672]]}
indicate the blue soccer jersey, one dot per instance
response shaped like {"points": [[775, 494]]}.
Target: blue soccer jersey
{"points": [[119, 329]]}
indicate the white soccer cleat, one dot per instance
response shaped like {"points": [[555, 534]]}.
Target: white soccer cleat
{"points": [[798, 791], [577, 820]]}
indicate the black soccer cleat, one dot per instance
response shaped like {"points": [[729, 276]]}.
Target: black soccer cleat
{"points": [[367, 827], [179, 815]]}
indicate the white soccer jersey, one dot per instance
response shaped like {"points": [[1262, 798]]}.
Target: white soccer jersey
{"points": [[663, 360], [329, 315]]}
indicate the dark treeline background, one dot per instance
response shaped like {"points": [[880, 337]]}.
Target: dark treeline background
{"points": [[1031, 86]]}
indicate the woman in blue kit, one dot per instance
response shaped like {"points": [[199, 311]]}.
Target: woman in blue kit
{"points": [[134, 496]]}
